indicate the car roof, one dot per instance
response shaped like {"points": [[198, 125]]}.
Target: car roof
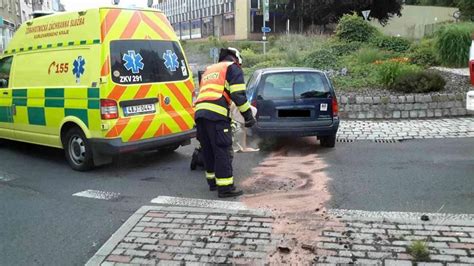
{"points": [[287, 69]]}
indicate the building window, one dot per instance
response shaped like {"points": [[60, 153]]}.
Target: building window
{"points": [[254, 4], [229, 24], [185, 30], [207, 27], [177, 29], [196, 29]]}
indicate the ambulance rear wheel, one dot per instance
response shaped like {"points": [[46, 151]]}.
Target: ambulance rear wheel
{"points": [[78, 150]]}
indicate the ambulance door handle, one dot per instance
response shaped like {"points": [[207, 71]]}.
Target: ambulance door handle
{"points": [[14, 109], [5, 93]]}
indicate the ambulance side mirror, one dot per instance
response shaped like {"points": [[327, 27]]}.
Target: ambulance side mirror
{"points": [[3, 83]]}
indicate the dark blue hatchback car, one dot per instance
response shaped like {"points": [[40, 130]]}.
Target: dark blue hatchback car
{"points": [[294, 102]]}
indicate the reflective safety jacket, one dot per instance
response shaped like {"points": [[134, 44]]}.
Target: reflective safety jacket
{"points": [[222, 84]]}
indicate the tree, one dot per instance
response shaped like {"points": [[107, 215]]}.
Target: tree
{"points": [[323, 12], [467, 9], [431, 2]]}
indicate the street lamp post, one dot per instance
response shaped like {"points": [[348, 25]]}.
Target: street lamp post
{"points": [[266, 17]]}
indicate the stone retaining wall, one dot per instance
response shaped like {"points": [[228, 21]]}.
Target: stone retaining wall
{"points": [[404, 106]]}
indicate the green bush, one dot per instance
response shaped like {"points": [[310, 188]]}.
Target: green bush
{"points": [[343, 48], [369, 55], [418, 82], [389, 71], [352, 28], [215, 42], [322, 59], [423, 53], [298, 43], [249, 58], [452, 44], [271, 63], [391, 43]]}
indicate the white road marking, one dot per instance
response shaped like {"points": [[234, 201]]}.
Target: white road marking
{"points": [[5, 177], [97, 194], [202, 203]]}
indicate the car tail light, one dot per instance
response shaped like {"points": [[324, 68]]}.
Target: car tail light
{"points": [[254, 103], [471, 60], [108, 109], [471, 66], [335, 107]]}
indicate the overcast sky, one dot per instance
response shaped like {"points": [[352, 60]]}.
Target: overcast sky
{"points": [[84, 4]]}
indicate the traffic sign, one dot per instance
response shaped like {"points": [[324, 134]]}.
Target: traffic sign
{"points": [[266, 29], [266, 10], [366, 14]]}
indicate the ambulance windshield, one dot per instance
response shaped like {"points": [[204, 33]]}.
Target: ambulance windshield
{"points": [[147, 61]]}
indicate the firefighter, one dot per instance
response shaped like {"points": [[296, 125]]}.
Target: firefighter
{"points": [[221, 84]]}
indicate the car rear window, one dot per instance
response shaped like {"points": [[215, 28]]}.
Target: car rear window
{"points": [[299, 85], [147, 61]]}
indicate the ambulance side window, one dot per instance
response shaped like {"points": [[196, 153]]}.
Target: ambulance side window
{"points": [[5, 66]]}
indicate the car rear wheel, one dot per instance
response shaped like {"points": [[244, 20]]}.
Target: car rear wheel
{"points": [[328, 141], [78, 150], [169, 149]]}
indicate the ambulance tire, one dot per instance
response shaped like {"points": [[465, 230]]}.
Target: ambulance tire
{"points": [[328, 141], [78, 150], [169, 149]]}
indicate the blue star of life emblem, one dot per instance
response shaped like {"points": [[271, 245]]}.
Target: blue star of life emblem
{"points": [[133, 62], [78, 69], [171, 60]]}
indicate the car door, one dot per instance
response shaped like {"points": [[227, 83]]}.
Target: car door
{"points": [[6, 112]]}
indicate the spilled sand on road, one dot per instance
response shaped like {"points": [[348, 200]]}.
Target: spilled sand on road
{"points": [[292, 183]]}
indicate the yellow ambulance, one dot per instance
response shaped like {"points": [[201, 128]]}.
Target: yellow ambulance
{"points": [[97, 83]]}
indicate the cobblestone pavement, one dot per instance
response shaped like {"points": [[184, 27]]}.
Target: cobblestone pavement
{"points": [[203, 234], [194, 236], [406, 129], [371, 238]]}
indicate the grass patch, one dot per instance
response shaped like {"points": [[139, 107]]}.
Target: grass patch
{"points": [[419, 251], [370, 55]]}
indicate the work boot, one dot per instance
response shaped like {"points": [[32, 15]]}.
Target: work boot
{"points": [[229, 192], [214, 187], [212, 184]]}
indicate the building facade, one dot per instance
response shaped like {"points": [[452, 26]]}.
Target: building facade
{"points": [[15, 12], [227, 19], [10, 18]]}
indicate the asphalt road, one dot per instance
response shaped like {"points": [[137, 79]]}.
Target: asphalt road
{"points": [[42, 223], [411, 176]]}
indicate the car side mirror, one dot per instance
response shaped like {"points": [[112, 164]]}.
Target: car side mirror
{"points": [[200, 74], [3, 83]]}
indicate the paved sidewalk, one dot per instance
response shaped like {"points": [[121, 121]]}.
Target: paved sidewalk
{"points": [[201, 232], [383, 238], [167, 235], [406, 129]]}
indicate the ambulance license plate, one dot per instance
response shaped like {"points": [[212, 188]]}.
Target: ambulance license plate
{"points": [[139, 109]]}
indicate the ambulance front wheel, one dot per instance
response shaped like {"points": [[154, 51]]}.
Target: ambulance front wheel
{"points": [[78, 150]]}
